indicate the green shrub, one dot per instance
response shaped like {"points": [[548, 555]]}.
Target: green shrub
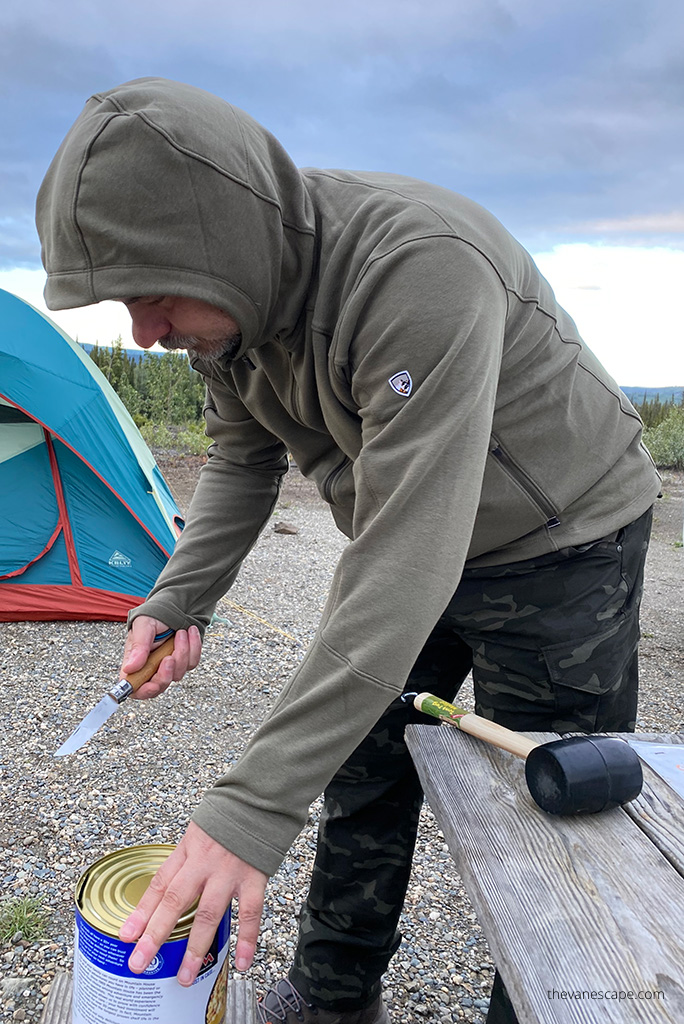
{"points": [[666, 441], [188, 439], [158, 435], [192, 439], [25, 914]]}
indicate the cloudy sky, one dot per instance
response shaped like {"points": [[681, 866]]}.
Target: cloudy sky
{"points": [[565, 120]]}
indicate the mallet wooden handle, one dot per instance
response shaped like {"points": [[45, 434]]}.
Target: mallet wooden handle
{"points": [[475, 725], [136, 679]]}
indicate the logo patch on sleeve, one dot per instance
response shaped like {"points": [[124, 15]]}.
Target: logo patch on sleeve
{"points": [[401, 383]]}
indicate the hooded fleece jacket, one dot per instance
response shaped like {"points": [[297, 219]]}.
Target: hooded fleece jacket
{"points": [[399, 342]]}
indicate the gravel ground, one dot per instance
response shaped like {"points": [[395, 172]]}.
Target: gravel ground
{"points": [[140, 778]]}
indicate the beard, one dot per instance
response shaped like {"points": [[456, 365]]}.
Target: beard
{"points": [[211, 350]]}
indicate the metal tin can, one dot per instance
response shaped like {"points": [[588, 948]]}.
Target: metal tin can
{"points": [[105, 990]]}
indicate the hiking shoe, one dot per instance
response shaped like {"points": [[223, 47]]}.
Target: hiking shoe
{"points": [[284, 1005]]}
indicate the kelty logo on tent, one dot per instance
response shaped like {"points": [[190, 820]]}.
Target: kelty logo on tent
{"points": [[401, 383], [119, 561]]}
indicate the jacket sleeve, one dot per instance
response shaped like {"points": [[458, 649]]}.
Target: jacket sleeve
{"points": [[235, 495], [436, 311]]}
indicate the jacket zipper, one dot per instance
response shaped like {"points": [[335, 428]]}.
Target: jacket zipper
{"points": [[332, 479], [294, 390], [526, 483], [294, 401]]}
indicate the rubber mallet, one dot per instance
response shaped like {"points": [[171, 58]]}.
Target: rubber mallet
{"points": [[576, 775]]}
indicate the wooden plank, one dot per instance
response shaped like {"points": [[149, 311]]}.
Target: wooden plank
{"points": [[57, 1009], [584, 904], [240, 1009], [659, 811]]}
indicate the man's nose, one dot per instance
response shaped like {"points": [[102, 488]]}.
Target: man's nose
{"points": [[148, 325]]}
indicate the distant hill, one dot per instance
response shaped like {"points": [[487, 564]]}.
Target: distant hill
{"points": [[664, 394]]}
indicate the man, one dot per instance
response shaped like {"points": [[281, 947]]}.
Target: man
{"points": [[487, 470]]}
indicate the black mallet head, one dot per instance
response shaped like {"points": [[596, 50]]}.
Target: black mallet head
{"points": [[583, 774]]}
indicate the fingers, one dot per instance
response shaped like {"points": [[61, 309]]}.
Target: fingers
{"points": [[212, 906], [159, 909], [199, 867], [169, 670], [249, 919], [139, 921], [140, 642]]}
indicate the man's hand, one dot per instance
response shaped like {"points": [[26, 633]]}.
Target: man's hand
{"points": [[140, 641], [199, 866]]}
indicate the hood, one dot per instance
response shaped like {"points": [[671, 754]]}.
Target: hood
{"points": [[160, 188]]}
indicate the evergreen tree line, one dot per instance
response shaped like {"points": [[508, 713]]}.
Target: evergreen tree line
{"points": [[165, 396], [664, 430], [156, 389], [653, 411], [165, 389]]}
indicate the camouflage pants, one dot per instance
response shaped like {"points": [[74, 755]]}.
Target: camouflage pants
{"points": [[552, 645]]}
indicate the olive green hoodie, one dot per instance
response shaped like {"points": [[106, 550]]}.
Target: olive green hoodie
{"points": [[398, 342]]}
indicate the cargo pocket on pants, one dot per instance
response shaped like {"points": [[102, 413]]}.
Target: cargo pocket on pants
{"points": [[595, 678]]}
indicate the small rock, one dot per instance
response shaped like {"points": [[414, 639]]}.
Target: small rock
{"points": [[285, 528], [11, 987]]}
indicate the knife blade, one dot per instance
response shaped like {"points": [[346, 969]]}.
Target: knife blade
{"points": [[112, 700]]}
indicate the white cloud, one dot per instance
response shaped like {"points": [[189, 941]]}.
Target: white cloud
{"points": [[102, 323], [626, 302]]}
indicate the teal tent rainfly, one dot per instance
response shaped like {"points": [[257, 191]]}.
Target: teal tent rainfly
{"points": [[87, 521]]}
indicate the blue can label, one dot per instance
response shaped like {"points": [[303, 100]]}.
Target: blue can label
{"points": [[107, 992]]}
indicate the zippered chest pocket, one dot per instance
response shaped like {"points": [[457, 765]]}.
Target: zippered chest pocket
{"points": [[525, 482]]}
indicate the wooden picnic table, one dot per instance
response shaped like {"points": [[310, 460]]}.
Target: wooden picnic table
{"points": [[578, 911]]}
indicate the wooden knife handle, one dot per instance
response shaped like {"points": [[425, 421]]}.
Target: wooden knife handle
{"points": [[136, 679]]}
